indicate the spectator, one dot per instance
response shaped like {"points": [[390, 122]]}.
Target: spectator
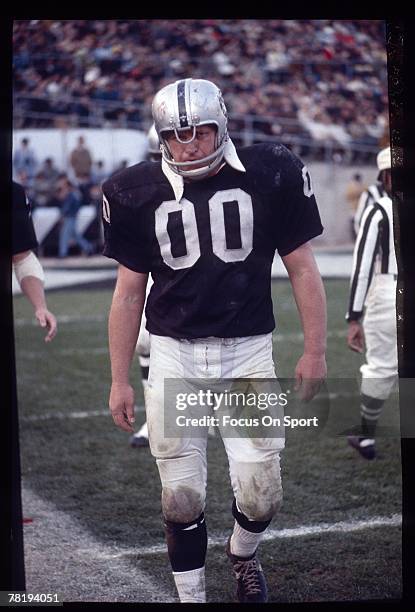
{"points": [[49, 170], [98, 173], [81, 161], [24, 159], [70, 201], [354, 189]]}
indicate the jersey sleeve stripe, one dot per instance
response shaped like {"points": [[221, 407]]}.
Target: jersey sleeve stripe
{"points": [[384, 240], [363, 260]]}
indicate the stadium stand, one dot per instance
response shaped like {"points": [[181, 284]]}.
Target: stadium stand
{"points": [[300, 81]]}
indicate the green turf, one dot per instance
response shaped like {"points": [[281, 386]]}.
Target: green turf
{"points": [[85, 466]]}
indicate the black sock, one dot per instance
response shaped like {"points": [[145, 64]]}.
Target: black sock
{"points": [[371, 408], [186, 547]]}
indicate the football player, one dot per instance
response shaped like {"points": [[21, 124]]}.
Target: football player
{"points": [[27, 268], [140, 438], [206, 223], [374, 277]]}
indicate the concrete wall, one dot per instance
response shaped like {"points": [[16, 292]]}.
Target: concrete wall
{"points": [[329, 183]]}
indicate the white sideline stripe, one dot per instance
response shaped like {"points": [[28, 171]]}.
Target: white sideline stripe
{"points": [[276, 534], [81, 414]]}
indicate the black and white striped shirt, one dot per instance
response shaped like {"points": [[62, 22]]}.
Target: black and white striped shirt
{"points": [[368, 196], [374, 253]]}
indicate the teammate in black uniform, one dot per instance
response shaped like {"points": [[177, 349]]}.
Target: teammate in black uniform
{"points": [[206, 224], [27, 267]]}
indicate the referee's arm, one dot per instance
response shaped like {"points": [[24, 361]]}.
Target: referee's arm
{"points": [[365, 251]]}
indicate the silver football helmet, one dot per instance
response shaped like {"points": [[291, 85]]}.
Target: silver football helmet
{"points": [[185, 105], [153, 149]]}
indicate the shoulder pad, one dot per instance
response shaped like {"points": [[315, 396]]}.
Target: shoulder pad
{"points": [[141, 174], [269, 154]]}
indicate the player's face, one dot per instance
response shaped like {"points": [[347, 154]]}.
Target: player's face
{"points": [[202, 145]]}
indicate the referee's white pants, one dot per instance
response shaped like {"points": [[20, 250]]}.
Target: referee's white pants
{"points": [[254, 463], [380, 372]]}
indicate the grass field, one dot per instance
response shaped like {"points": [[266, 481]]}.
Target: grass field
{"points": [[74, 457]]}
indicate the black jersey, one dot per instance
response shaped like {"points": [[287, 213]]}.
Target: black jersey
{"points": [[210, 254], [23, 232]]}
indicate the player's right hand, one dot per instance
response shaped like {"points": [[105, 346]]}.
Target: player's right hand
{"points": [[48, 320], [121, 405], [355, 336]]}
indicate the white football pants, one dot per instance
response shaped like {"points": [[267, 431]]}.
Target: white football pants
{"points": [[380, 371], [254, 464]]}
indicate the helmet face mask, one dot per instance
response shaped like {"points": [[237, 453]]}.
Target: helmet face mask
{"points": [[188, 104]]}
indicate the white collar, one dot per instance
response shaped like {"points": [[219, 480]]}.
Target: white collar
{"points": [[176, 181]]}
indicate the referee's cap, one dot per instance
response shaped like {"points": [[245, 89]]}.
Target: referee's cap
{"points": [[384, 160]]}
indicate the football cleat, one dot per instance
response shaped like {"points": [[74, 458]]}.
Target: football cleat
{"points": [[364, 446], [138, 441], [252, 587]]}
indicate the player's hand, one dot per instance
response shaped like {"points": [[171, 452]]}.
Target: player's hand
{"points": [[48, 320], [121, 404], [355, 336], [310, 373]]}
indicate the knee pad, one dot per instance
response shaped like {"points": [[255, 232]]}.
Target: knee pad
{"points": [[245, 523], [259, 489], [183, 482]]}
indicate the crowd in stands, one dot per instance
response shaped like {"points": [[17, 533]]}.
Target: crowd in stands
{"points": [[308, 81]]}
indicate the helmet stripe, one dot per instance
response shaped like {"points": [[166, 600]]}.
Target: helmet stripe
{"points": [[182, 104]]}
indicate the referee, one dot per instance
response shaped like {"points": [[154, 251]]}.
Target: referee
{"points": [[370, 195], [373, 285], [28, 270]]}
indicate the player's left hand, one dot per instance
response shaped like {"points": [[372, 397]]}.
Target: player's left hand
{"points": [[310, 373], [48, 320]]}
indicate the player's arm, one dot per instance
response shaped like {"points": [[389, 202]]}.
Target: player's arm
{"points": [[123, 326], [310, 298], [30, 276]]}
